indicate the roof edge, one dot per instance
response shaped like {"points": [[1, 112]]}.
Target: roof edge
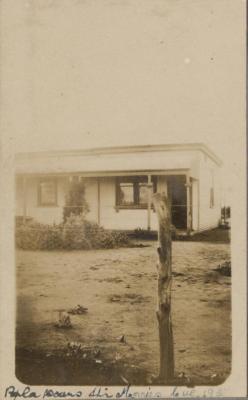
{"points": [[124, 149]]}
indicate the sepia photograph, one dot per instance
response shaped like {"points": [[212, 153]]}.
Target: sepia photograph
{"points": [[124, 173], [89, 274]]}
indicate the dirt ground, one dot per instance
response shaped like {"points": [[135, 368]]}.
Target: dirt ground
{"points": [[119, 288]]}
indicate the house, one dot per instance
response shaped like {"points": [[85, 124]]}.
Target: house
{"points": [[119, 182]]}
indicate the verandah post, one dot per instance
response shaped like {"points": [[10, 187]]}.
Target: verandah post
{"points": [[149, 200], [164, 268], [188, 194], [98, 201]]}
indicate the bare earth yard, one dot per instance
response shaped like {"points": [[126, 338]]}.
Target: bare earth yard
{"points": [[119, 288]]}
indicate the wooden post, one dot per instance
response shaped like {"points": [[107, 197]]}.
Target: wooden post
{"points": [[149, 200], [162, 208], [24, 194]]}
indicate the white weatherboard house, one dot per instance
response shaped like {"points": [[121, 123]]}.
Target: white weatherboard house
{"points": [[119, 182]]}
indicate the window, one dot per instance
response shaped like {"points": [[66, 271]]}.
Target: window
{"points": [[132, 192], [47, 192], [126, 193]]}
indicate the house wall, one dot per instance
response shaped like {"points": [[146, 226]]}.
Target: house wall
{"points": [[110, 218], [44, 214], [209, 175]]}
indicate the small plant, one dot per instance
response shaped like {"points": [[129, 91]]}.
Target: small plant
{"points": [[64, 321], [224, 268], [78, 310]]}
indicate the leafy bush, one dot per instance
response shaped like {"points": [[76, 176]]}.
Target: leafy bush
{"points": [[101, 238], [75, 203], [75, 234], [33, 236], [98, 236], [121, 239]]}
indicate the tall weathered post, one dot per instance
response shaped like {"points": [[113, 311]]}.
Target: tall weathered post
{"points": [[163, 210]]}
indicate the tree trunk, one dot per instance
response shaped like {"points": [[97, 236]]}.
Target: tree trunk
{"points": [[162, 208]]}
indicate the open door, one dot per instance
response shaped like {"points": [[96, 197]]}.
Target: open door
{"points": [[178, 196]]}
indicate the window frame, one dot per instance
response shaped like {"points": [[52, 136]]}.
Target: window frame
{"points": [[55, 183], [136, 181]]}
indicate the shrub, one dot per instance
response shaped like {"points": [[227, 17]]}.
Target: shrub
{"points": [[36, 236], [75, 203], [121, 239], [75, 234], [101, 238]]}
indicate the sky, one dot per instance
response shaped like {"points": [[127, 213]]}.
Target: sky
{"points": [[130, 72]]}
